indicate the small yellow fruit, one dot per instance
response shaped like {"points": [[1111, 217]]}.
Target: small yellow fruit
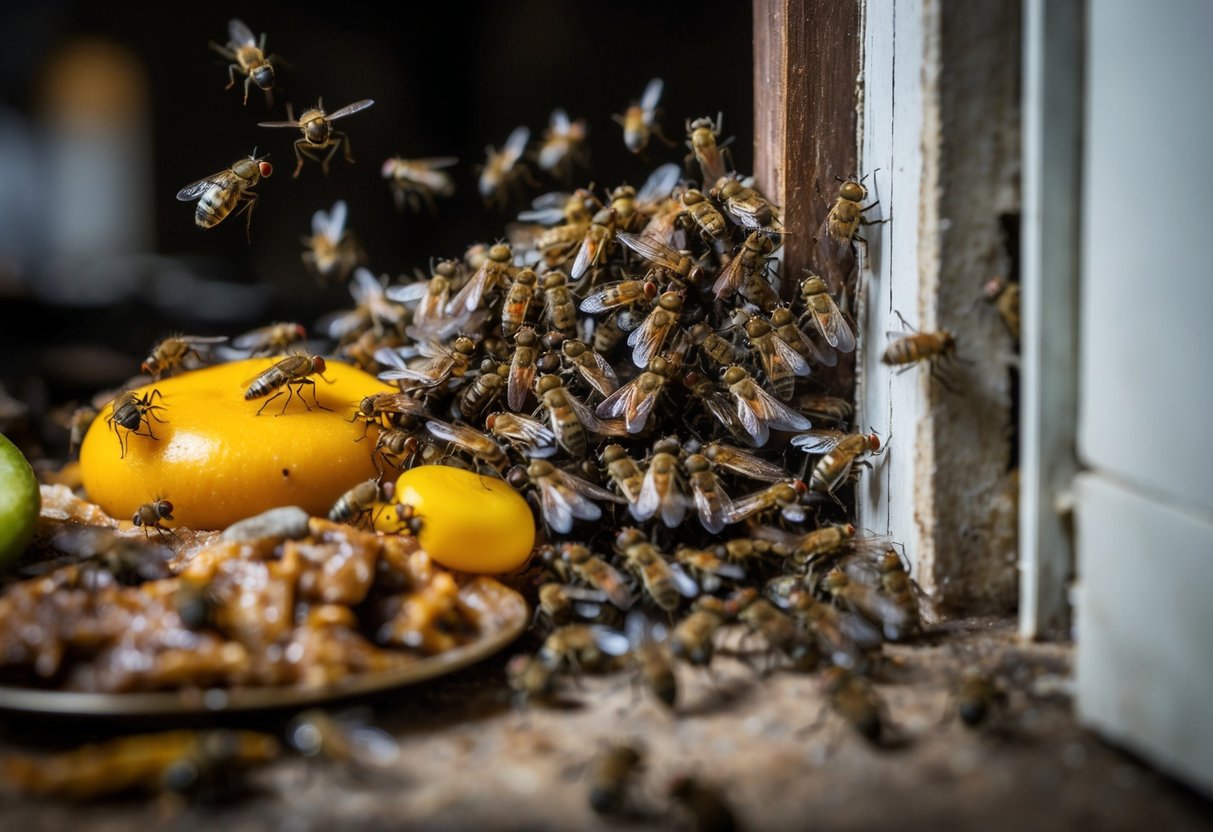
{"points": [[468, 522], [219, 462]]}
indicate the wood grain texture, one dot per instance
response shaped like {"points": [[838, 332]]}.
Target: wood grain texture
{"points": [[806, 60]]}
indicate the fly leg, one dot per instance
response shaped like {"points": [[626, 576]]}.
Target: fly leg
{"points": [[267, 401], [249, 201], [314, 398], [344, 140], [303, 149]]}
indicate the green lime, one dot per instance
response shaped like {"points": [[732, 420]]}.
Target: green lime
{"points": [[20, 502]]}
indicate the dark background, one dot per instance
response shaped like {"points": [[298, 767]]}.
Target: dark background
{"points": [[447, 79]]}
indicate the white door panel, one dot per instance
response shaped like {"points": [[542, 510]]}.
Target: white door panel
{"points": [[1145, 507], [1146, 392], [1144, 626]]}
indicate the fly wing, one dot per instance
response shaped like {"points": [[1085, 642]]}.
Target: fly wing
{"points": [[750, 422], [637, 628], [614, 405], [743, 507], [649, 498], [365, 286], [409, 293], [650, 248], [818, 441], [637, 415], [394, 358], [584, 415], [196, 189], [526, 430], [730, 278], [604, 380], [794, 513], [250, 339], [660, 184], [333, 224], [601, 300], [683, 582], [542, 216], [451, 433], [587, 489], [776, 414], [350, 109], [265, 371], [468, 298], [203, 339], [713, 506], [788, 356], [587, 256], [518, 384], [833, 325], [240, 34], [546, 209], [652, 94], [515, 145], [744, 463], [557, 511], [609, 641], [647, 339]]}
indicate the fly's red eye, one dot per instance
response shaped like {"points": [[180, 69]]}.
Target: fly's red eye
{"points": [[266, 168], [318, 364]]}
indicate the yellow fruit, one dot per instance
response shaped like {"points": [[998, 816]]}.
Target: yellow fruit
{"points": [[217, 461], [468, 522], [20, 502]]}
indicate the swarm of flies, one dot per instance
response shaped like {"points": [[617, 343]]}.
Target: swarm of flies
{"points": [[633, 362]]}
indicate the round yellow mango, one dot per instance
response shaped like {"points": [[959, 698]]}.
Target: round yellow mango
{"points": [[217, 461], [468, 522]]}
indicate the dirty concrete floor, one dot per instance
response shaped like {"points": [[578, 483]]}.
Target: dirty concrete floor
{"points": [[471, 761]]}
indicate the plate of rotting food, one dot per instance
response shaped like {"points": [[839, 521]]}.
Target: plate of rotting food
{"points": [[279, 611]]}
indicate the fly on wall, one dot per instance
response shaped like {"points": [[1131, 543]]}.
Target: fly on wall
{"points": [[933, 157]]}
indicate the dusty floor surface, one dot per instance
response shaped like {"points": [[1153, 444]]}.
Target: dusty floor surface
{"points": [[471, 761]]}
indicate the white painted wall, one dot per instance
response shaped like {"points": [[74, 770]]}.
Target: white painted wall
{"points": [[890, 132], [939, 148], [1145, 507]]}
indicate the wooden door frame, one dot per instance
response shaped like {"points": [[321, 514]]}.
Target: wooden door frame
{"points": [[921, 96]]}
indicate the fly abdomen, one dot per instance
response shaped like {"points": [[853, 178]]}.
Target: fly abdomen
{"points": [[214, 205], [262, 386], [829, 471]]}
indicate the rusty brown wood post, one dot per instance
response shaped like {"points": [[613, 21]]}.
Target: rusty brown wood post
{"points": [[806, 70]]}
